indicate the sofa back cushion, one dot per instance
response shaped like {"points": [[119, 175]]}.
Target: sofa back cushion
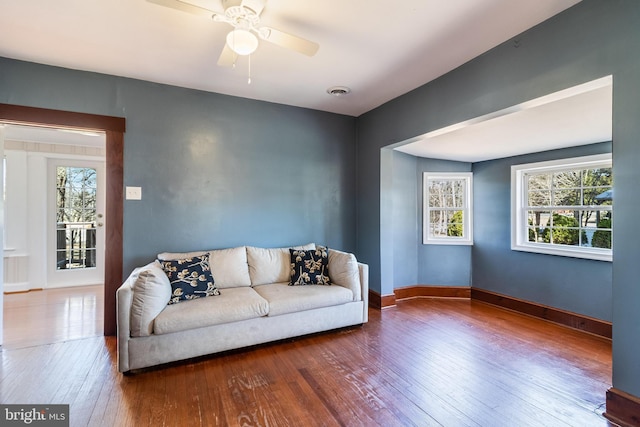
{"points": [[272, 265], [151, 293], [228, 266], [343, 271]]}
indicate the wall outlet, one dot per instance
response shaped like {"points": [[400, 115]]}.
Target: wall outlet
{"points": [[133, 193]]}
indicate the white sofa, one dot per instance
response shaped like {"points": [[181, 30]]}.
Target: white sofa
{"points": [[256, 305]]}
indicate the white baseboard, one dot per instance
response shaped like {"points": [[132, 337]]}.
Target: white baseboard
{"points": [[16, 287]]}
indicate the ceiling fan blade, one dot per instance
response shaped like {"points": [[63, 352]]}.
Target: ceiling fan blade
{"points": [[185, 7], [254, 5], [227, 57], [288, 41]]}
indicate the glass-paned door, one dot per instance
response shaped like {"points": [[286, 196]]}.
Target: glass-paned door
{"points": [[76, 217], [78, 223]]}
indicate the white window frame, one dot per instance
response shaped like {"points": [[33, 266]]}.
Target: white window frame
{"points": [[519, 224], [467, 209]]}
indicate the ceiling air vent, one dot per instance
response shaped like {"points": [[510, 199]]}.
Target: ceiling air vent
{"points": [[338, 90]]}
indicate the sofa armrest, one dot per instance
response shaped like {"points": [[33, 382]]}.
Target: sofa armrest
{"points": [[343, 270], [363, 269], [124, 298]]}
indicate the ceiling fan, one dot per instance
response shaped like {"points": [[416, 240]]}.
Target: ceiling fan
{"points": [[244, 17]]}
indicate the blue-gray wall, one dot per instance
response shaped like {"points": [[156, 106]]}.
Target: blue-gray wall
{"points": [[441, 265], [577, 285], [215, 171], [405, 222], [595, 38], [406, 261]]}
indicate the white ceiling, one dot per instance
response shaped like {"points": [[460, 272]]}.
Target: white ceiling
{"points": [[378, 49], [55, 136], [578, 115]]}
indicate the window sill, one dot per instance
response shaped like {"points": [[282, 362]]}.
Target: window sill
{"points": [[592, 254], [449, 242]]}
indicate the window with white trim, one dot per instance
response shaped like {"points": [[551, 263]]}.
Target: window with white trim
{"points": [[563, 207], [447, 213]]}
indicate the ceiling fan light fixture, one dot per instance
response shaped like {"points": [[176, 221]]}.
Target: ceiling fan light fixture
{"points": [[242, 42]]}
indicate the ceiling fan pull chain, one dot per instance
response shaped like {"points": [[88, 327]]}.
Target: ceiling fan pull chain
{"points": [[249, 79]]}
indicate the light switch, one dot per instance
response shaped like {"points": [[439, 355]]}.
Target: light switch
{"points": [[133, 193]]}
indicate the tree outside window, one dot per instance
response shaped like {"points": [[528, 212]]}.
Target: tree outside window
{"points": [[447, 208], [564, 207], [75, 217]]}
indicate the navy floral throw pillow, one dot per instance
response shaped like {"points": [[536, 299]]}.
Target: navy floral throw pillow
{"points": [[310, 267], [190, 278]]}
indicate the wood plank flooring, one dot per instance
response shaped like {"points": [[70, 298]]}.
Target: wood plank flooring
{"points": [[426, 362], [52, 315]]}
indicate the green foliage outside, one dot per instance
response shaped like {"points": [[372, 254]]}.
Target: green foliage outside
{"points": [[580, 188], [563, 231], [602, 238], [455, 228]]}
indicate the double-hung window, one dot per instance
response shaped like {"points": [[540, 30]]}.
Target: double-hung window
{"points": [[448, 209], [564, 207]]}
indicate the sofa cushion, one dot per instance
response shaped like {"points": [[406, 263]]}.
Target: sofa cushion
{"points": [[228, 266], [233, 305], [285, 299], [151, 293], [309, 267], [190, 278], [271, 265], [343, 270]]}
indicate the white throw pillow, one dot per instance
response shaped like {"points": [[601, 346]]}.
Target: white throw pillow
{"points": [[229, 267], [272, 265], [151, 293]]}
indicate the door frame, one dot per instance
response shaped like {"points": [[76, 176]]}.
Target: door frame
{"points": [[114, 128]]}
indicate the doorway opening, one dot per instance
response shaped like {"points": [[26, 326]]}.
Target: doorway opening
{"points": [[54, 234], [113, 128]]}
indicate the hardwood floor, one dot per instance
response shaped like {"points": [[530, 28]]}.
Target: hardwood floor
{"points": [[425, 362], [52, 315]]}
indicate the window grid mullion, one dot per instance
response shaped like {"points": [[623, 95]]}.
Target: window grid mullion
{"points": [[570, 208], [540, 183], [443, 192]]}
